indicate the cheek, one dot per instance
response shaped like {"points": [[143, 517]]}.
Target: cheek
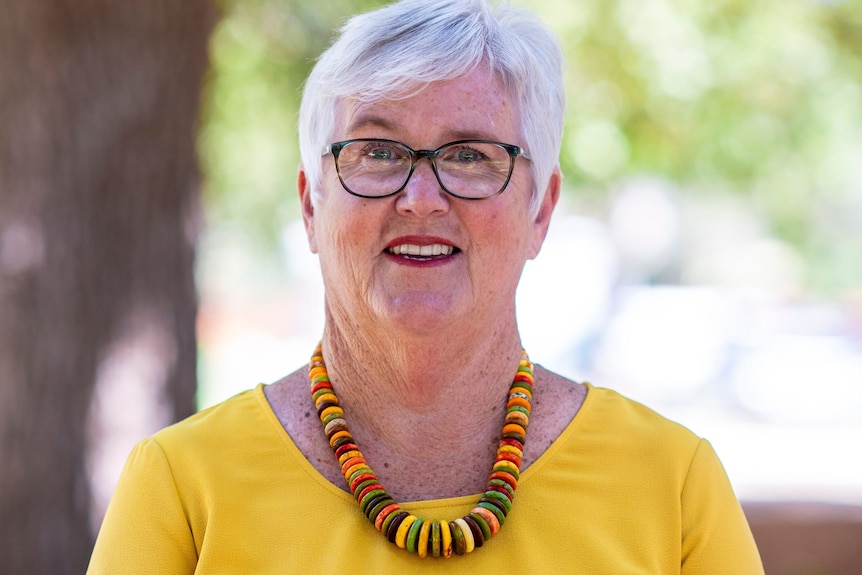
{"points": [[343, 243], [503, 243]]}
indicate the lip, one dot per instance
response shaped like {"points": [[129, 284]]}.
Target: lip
{"points": [[421, 241]]}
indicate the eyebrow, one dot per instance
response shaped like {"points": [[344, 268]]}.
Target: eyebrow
{"points": [[374, 121], [365, 121]]}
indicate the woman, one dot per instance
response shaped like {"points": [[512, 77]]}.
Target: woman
{"points": [[429, 133]]}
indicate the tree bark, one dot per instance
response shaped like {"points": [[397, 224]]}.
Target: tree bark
{"points": [[98, 218]]}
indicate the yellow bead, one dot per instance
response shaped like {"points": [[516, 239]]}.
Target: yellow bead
{"points": [[324, 397], [331, 409], [401, 534], [508, 466], [316, 372], [422, 544], [347, 455], [339, 435], [470, 543], [446, 536], [404, 529], [355, 467], [510, 449]]}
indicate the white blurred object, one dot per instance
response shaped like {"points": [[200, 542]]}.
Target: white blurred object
{"points": [[725, 243], [644, 221], [800, 378], [665, 342], [304, 271], [564, 294]]}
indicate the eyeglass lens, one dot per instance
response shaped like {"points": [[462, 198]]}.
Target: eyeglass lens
{"points": [[466, 169]]}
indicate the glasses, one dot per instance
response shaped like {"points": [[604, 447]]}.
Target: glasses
{"points": [[466, 169]]}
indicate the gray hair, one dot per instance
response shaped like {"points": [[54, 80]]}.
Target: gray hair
{"points": [[397, 50]]}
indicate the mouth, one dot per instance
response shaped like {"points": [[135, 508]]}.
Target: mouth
{"points": [[422, 253]]}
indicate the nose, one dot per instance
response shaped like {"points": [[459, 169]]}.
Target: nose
{"points": [[423, 196]]}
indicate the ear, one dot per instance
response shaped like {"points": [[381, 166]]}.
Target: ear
{"points": [[546, 208], [304, 188]]}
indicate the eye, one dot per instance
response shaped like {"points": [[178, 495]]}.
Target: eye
{"points": [[465, 154], [468, 156], [382, 152]]}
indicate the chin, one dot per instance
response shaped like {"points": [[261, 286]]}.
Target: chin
{"points": [[422, 313]]}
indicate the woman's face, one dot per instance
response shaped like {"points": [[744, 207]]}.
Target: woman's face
{"points": [[484, 243]]}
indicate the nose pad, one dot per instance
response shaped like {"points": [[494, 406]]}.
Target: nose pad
{"points": [[424, 174]]}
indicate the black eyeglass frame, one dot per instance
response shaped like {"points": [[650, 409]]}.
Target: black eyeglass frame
{"points": [[416, 155]]}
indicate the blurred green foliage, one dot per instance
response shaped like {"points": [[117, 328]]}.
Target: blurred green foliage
{"points": [[260, 53], [760, 100]]}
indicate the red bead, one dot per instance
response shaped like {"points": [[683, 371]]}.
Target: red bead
{"points": [[468, 532]]}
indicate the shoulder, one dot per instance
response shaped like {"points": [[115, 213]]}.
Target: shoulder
{"points": [[632, 440], [223, 415], [230, 431], [619, 415]]}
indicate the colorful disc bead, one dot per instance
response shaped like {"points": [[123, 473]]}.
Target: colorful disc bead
{"points": [[426, 538]]}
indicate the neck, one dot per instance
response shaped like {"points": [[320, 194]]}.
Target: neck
{"points": [[397, 390]]}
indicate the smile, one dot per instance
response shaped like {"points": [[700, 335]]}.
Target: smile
{"points": [[422, 251]]}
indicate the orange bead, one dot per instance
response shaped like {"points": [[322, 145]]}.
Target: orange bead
{"points": [[404, 529]]}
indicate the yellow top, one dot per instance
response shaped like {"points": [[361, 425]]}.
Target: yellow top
{"points": [[621, 491]]}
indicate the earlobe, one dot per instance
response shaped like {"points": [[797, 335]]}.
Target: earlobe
{"points": [[304, 188], [546, 208]]}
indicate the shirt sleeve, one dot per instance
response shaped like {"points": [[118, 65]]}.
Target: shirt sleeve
{"points": [[716, 537], [145, 529]]}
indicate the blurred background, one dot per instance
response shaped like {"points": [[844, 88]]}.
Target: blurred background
{"points": [[706, 258]]}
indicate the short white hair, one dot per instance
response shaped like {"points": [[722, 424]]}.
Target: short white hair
{"points": [[395, 51]]}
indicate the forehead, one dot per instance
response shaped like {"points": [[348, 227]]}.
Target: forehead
{"points": [[473, 106]]}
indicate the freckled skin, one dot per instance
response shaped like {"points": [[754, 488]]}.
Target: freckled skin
{"points": [[495, 236], [423, 346]]}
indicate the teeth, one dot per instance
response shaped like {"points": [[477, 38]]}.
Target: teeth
{"points": [[422, 251]]}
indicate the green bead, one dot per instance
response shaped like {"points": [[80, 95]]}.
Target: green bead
{"points": [[331, 417], [379, 504], [362, 486], [522, 385], [321, 392], [388, 521], [341, 441], [483, 525], [458, 542], [502, 484], [520, 408], [413, 534], [493, 509], [507, 469], [368, 497], [500, 497], [515, 435], [436, 537]]}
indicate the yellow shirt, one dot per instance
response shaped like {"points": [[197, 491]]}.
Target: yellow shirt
{"points": [[621, 491]]}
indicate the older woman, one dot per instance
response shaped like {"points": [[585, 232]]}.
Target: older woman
{"points": [[429, 133]]}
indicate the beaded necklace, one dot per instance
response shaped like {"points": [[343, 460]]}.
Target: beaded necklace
{"points": [[436, 538]]}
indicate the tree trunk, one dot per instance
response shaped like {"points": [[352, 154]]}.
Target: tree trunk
{"points": [[98, 217]]}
